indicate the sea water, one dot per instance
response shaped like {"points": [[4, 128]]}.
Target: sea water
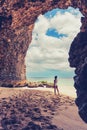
{"points": [[65, 85]]}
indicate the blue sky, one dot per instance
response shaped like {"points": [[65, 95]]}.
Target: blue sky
{"points": [[54, 33], [51, 39]]}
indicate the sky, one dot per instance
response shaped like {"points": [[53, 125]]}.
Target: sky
{"points": [[52, 36]]}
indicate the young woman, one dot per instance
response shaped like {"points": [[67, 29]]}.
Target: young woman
{"points": [[55, 85]]}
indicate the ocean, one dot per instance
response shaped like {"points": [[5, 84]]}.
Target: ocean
{"points": [[61, 81]]}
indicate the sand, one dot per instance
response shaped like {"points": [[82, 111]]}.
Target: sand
{"points": [[30, 109]]}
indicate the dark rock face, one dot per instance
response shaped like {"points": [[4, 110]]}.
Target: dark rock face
{"points": [[17, 20], [78, 59]]}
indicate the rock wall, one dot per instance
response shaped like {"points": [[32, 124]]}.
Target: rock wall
{"points": [[17, 18], [78, 59]]}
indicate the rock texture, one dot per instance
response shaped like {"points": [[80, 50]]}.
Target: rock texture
{"points": [[78, 59], [17, 18]]}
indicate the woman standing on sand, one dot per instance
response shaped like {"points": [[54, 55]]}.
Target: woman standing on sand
{"points": [[55, 85]]}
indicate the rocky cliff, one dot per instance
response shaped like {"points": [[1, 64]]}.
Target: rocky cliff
{"points": [[17, 18]]}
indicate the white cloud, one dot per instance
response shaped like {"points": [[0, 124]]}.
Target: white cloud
{"points": [[65, 23], [46, 52]]}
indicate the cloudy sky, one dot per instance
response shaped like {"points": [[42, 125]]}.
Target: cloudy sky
{"points": [[52, 36]]}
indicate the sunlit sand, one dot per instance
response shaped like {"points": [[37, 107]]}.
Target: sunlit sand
{"points": [[62, 90]]}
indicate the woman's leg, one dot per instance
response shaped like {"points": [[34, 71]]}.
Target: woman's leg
{"points": [[57, 90], [54, 90]]}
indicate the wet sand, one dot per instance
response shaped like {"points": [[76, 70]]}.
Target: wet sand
{"points": [[27, 109]]}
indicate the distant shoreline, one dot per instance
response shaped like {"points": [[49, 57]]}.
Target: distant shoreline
{"points": [[65, 85]]}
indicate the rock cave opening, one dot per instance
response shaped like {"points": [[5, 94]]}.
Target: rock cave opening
{"points": [[16, 34], [47, 54]]}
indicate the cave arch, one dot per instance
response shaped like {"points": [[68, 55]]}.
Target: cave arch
{"points": [[17, 20]]}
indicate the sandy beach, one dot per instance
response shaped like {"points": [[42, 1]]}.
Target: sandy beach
{"points": [[30, 109]]}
